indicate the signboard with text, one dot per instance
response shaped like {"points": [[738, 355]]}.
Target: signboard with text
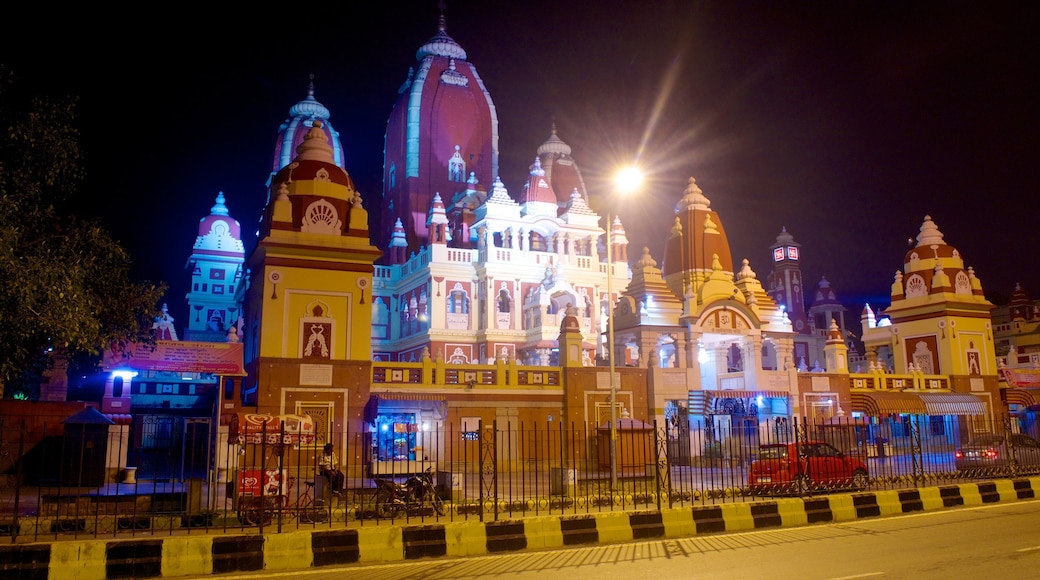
{"points": [[219, 358], [1022, 378]]}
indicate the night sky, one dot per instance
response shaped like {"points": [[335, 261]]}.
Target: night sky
{"points": [[845, 122]]}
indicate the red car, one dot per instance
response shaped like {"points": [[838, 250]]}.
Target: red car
{"points": [[802, 467]]}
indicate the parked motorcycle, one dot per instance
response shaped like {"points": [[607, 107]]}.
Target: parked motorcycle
{"points": [[416, 493]]}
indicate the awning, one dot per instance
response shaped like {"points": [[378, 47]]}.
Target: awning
{"points": [[410, 396], [258, 427], [1021, 397], [372, 406], [877, 403], [705, 402], [953, 404]]}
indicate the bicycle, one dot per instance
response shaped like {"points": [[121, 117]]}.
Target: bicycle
{"points": [[256, 510]]}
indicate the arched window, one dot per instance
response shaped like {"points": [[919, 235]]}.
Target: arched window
{"points": [[538, 242], [458, 300], [503, 300], [380, 319], [456, 167]]}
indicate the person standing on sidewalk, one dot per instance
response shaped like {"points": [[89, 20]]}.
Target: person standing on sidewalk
{"points": [[328, 465]]}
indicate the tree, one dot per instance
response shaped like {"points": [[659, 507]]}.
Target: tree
{"points": [[64, 281]]}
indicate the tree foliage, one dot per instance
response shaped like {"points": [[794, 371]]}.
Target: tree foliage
{"points": [[64, 281]]}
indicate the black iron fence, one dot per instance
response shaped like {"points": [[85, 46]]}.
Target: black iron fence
{"points": [[56, 482]]}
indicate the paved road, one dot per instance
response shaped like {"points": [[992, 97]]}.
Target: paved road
{"points": [[962, 543]]}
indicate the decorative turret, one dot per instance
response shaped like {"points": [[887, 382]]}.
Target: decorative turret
{"points": [[826, 307], [1020, 307], [648, 300], [537, 197], [437, 222], [163, 326], [577, 212], [618, 241], [216, 265], [757, 299], [462, 212], [718, 285], [835, 351], [897, 286], [571, 341], [398, 245], [867, 318]]}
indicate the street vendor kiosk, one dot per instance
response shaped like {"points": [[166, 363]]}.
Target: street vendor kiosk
{"points": [[270, 452]]}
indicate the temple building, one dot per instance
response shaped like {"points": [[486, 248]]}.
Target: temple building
{"points": [[1016, 329], [938, 330], [1016, 332], [307, 294], [470, 272], [465, 288], [464, 305]]}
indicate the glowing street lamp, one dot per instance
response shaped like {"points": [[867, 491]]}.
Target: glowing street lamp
{"points": [[626, 181]]}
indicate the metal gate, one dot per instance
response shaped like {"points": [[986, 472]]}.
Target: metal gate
{"points": [[168, 448]]}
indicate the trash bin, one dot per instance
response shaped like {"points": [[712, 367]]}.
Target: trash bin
{"points": [[193, 499], [562, 480], [449, 485]]}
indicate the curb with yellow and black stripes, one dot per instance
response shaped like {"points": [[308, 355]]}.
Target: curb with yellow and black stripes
{"points": [[219, 554]]}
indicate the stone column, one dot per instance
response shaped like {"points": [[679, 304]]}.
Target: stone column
{"points": [[691, 349], [751, 351], [680, 350]]}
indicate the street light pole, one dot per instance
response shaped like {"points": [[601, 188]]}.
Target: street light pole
{"points": [[610, 355], [625, 181]]}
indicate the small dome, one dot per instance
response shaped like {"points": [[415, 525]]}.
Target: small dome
{"points": [[218, 232], [825, 295], [539, 190], [314, 161], [554, 145], [933, 266], [784, 238], [930, 244], [441, 45], [693, 197], [303, 116]]}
